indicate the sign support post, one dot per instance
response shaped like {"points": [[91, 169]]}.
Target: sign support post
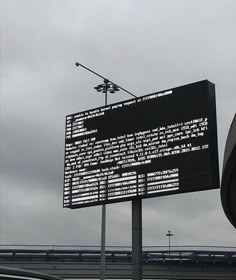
{"points": [[103, 243], [137, 239]]}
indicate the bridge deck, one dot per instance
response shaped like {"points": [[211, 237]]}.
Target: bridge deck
{"points": [[157, 263]]}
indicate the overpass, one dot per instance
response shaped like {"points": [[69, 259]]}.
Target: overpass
{"points": [[158, 262]]}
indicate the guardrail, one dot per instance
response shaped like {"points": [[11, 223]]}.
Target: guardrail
{"points": [[112, 247], [80, 262], [151, 254]]}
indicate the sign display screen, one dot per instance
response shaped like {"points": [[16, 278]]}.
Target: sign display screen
{"points": [[158, 144]]}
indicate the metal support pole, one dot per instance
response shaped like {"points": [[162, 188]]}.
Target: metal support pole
{"points": [[169, 234], [105, 88], [106, 98], [103, 241], [169, 246], [103, 230], [137, 271]]}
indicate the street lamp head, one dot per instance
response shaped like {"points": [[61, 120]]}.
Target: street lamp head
{"points": [[116, 88], [113, 88], [99, 88], [77, 64], [169, 233]]}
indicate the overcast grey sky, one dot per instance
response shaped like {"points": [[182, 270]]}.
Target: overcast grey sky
{"points": [[145, 46]]}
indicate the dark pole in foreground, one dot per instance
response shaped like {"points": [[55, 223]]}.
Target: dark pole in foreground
{"points": [[137, 271], [103, 244]]}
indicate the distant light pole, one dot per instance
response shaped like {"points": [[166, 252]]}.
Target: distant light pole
{"points": [[169, 234], [107, 86]]}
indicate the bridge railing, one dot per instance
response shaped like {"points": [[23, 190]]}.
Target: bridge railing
{"points": [[120, 253], [112, 247], [82, 262]]}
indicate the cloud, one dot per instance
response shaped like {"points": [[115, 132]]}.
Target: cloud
{"points": [[143, 47]]}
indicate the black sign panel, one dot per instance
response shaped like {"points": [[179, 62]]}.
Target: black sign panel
{"points": [[159, 144]]}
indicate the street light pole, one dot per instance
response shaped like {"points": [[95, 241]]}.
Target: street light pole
{"points": [[107, 86], [79, 64], [169, 234]]}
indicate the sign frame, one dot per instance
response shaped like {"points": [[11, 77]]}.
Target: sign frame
{"points": [[213, 150]]}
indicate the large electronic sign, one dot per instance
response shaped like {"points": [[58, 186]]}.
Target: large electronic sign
{"points": [[158, 144]]}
